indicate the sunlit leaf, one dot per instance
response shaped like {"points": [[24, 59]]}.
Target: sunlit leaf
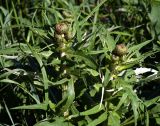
{"points": [[58, 121], [99, 119], [42, 106], [114, 119]]}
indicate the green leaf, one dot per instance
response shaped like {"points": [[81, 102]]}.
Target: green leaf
{"points": [[157, 118], [52, 105], [97, 86], [113, 119], [91, 111], [60, 82], [40, 32], [8, 81], [74, 109], [95, 90], [121, 33], [70, 95], [88, 61], [107, 40], [99, 120], [150, 102], [93, 11], [154, 16], [134, 102], [93, 72], [97, 51], [39, 60], [92, 92], [106, 78], [156, 109], [58, 121], [110, 42], [46, 54], [9, 51], [5, 11], [130, 1], [8, 112], [135, 48], [11, 72], [122, 100], [42, 106]]}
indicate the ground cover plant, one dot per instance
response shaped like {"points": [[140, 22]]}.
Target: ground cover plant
{"points": [[75, 62]]}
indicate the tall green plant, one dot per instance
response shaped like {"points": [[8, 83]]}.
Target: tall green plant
{"points": [[73, 62]]}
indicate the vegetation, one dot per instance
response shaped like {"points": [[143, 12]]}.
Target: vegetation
{"points": [[73, 62]]}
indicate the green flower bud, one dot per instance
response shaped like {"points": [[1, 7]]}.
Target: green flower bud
{"points": [[115, 58], [59, 38], [69, 36]]}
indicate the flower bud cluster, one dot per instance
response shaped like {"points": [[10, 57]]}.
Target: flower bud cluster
{"points": [[119, 51], [62, 33]]}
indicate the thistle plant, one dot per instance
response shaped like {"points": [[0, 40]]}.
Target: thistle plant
{"points": [[75, 63]]}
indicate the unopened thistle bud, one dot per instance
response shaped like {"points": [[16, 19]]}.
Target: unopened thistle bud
{"points": [[120, 50], [61, 28]]}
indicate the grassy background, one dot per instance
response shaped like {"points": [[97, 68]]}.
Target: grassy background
{"points": [[41, 86]]}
